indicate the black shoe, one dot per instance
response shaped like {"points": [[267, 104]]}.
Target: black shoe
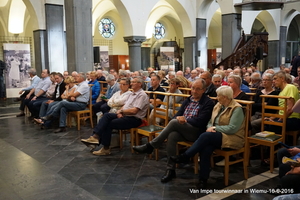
{"points": [[21, 115], [59, 130], [202, 184], [182, 158], [49, 117], [145, 148], [168, 176]]}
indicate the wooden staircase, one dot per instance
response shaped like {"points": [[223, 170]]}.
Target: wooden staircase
{"points": [[246, 51]]}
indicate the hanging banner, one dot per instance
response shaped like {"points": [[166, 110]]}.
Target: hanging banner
{"points": [[17, 60], [166, 58]]}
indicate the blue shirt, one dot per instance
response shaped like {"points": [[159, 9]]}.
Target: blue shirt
{"points": [[95, 90], [245, 89], [34, 81]]}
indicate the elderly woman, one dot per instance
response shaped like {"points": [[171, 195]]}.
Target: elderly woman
{"points": [[225, 130], [267, 83], [235, 82]]}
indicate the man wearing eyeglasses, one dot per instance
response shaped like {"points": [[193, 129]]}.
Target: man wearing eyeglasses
{"points": [[129, 116], [188, 123]]}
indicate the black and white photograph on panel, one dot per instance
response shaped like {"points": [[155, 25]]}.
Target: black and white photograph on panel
{"points": [[17, 60]]}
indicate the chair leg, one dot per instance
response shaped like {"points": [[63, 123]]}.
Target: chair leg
{"points": [[78, 122], [245, 165], [226, 170], [121, 138], [132, 139], [272, 158], [196, 163], [91, 121]]}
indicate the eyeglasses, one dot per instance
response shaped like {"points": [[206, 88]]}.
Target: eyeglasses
{"points": [[266, 80]]}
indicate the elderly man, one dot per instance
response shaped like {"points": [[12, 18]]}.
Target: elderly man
{"points": [[66, 74], [39, 93], [55, 98], [129, 116], [287, 90], [188, 123], [194, 76], [100, 76], [255, 80], [179, 73], [76, 101], [210, 88], [34, 79]]}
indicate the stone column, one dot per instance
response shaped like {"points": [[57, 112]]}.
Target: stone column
{"points": [[79, 35], [55, 38], [201, 42], [190, 58], [231, 33], [40, 51], [282, 43], [135, 55]]}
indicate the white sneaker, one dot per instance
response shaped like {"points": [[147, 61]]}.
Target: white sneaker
{"points": [[221, 163]]}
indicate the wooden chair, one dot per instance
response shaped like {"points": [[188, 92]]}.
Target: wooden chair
{"points": [[247, 106], [273, 140], [195, 158], [150, 130], [103, 85], [251, 96], [82, 115]]}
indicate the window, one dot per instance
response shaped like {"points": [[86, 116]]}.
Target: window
{"points": [[107, 28], [159, 31]]}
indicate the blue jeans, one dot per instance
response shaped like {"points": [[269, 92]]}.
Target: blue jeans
{"points": [[60, 110], [45, 107], [205, 145], [110, 121]]}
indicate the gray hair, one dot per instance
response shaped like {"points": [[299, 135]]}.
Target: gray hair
{"points": [[237, 79], [110, 77], [82, 75], [216, 76], [225, 91], [32, 71], [122, 73], [139, 79], [269, 75], [255, 76], [202, 81], [172, 73]]}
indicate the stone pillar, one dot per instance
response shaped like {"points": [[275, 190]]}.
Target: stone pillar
{"points": [[40, 50], [273, 54], [201, 42], [145, 58], [282, 43], [231, 33], [79, 35], [190, 58], [135, 55], [55, 37]]}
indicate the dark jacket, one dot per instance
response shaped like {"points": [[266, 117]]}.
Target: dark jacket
{"points": [[204, 114], [62, 88]]}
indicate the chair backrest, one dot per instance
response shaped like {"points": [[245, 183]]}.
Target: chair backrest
{"points": [[251, 96], [267, 112], [103, 85], [247, 108], [162, 113]]}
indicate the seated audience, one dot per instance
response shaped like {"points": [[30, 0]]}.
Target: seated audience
{"points": [[34, 79], [255, 80], [37, 94], [129, 116], [187, 72], [174, 84], [225, 130], [76, 101], [187, 124], [193, 76]]}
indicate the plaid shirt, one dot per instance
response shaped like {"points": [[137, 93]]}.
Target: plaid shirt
{"points": [[192, 109]]}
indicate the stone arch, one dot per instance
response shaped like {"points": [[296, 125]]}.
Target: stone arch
{"points": [[272, 27], [110, 5], [36, 10]]}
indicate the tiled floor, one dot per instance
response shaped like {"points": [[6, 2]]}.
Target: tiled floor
{"points": [[39, 164]]}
